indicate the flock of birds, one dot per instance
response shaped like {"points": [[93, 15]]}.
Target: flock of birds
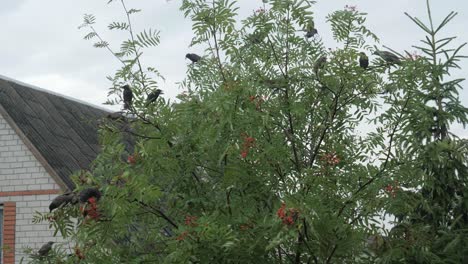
{"points": [[128, 96], [66, 199], [387, 56], [151, 98]]}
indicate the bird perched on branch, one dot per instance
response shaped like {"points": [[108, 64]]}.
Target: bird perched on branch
{"points": [[153, 96], [319, 64], [388, 57], [45, 249], [192, 57], [127, 96], [63, 200], [87, 193], [310, 29], [363, 60], [310, 33]]}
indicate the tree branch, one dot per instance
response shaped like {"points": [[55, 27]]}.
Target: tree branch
{"points": [[134, 46], [392, 135], [159, 213]]}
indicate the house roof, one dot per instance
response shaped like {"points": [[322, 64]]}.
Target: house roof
{"points": [[61, 132]]}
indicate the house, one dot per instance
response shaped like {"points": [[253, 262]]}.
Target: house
{"points": [[44, 138]]}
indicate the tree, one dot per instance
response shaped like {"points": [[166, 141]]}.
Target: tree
{"points": [[261, 161], [431, 210]]}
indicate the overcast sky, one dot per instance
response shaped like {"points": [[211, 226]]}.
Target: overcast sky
{"points": [[41, 44]]}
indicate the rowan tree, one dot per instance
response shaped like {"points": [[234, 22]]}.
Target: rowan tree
{"points": [[264, 160]]}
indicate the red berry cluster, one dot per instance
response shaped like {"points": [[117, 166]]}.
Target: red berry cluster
{"points": [[191, 221], [182, 236], [90, 209], [288, 216], [331, 159], [392, 189], [258, 100], [247, 145], [79, 253], [131, 160]]}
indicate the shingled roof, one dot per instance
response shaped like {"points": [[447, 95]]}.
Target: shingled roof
{"points": [[61, 132]]}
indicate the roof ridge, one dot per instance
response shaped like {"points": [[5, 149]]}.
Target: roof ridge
{"points": [[37, 88]]}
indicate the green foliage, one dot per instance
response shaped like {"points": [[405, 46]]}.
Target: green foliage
{"points": [[147, 39], [263, 159], [118, 25]]}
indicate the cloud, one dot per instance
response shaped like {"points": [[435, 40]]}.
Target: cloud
{"points": [[11, 6], [70, 87]]}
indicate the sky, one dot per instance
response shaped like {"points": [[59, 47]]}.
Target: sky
{"points": [[42, 45]]}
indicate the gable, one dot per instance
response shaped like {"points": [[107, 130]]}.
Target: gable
{"points": [[25, 187], [20, 170], [60, 132]]}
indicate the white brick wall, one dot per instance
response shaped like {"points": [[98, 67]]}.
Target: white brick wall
{"points": [[29, 234], [20, 171]]}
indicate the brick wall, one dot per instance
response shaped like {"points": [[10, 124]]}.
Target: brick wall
{"points": [[24, 183], [9, 225]]}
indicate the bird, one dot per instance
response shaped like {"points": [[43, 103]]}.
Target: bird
{"points": [[153, 96], [44, 250], [127, 96], [62, 200], [311, 32], [310, 29], [363, 60], [87, 193], [319, 64], [388, 57], [193, 57]]}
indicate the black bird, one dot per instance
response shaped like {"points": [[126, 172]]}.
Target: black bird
{"points": [[311, 32], [63, 200], [319, 64], [127, 96], [153, 96], [193, 57], [44, 250], [363, 60], [388, 57], [88, 193]]}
